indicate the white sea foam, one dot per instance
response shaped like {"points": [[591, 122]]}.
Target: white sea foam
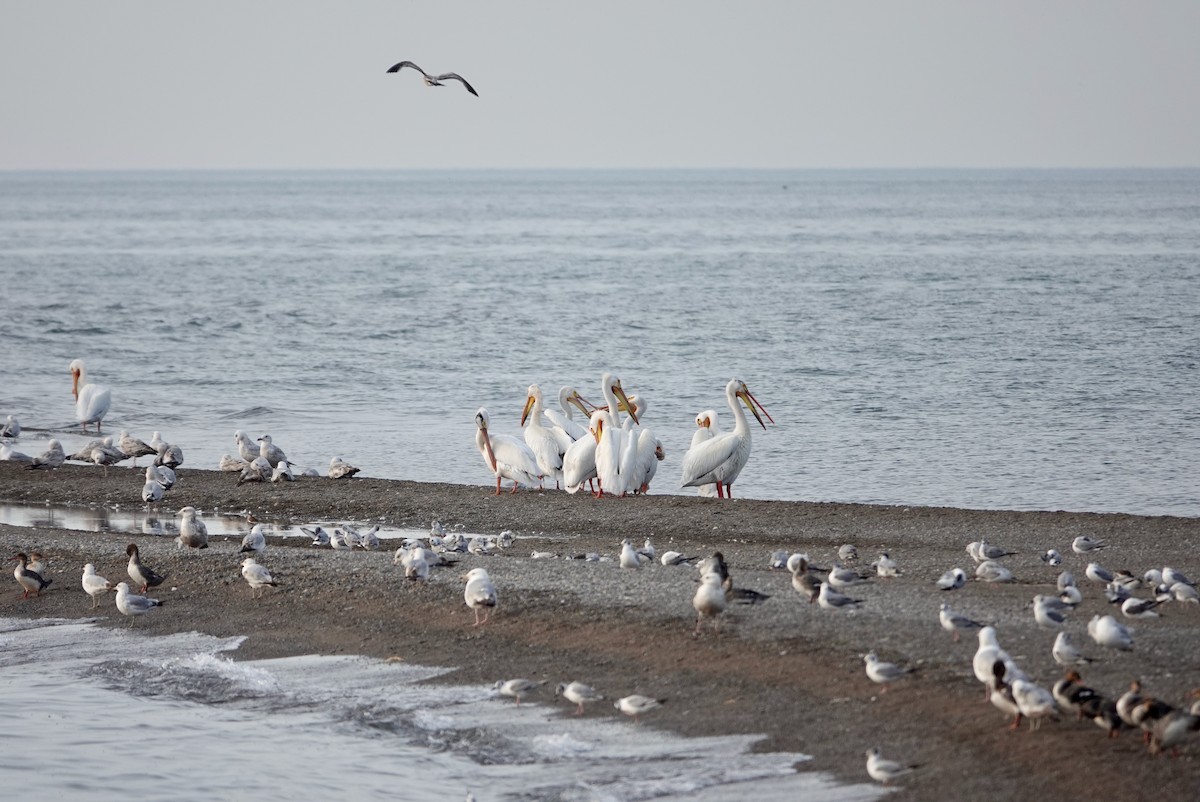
{"points": [[173, 716]]}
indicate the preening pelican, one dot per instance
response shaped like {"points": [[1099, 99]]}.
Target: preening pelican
{"points": [[506, 456], [547, 446], [706, 429], [569, 400], [722, 458], [91, 400]]}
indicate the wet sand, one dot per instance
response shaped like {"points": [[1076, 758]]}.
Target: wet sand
{"points": [[784, 668]]}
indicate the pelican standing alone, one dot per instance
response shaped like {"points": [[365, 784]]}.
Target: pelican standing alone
{"points": [[91, 400], [506, 456], [722, 458]]}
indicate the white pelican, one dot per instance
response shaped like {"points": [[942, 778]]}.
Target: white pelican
{"points": [[612, 457], [706, 429], [722, 458], [506, 456], [544, 441], [434, 80], [91, 400], [569, 399], [579, 463]]}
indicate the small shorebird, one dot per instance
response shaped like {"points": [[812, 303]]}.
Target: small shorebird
{"points": [[434, 80]]}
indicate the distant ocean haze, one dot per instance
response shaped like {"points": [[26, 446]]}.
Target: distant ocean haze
{"points": [[990, 339]]}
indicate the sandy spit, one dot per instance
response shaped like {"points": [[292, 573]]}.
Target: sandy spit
{"points": [[783, 668]]}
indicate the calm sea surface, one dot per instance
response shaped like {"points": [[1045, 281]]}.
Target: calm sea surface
{"points": [[1023, 340]]}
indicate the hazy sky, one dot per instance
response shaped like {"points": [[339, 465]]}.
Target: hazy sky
{"points": [[638, 83]]}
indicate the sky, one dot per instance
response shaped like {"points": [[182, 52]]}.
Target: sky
{"points": [[230, 84]]}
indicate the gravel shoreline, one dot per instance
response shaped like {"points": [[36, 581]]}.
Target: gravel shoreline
{"points": [[783, 668]]}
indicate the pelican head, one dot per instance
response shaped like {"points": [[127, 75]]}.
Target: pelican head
{"points": [[743, 392], [597, 424], [77, 371], [569, 395], [481, 421], [533, 398], [614, 384]]}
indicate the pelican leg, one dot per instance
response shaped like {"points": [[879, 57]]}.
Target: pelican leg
{"points": [[497, 485]]}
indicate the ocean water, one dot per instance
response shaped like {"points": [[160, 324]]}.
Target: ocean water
{"points": [[991, 339], [110, 714]]}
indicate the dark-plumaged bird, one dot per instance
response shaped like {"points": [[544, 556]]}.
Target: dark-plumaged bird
{"points": [[434, 80]]}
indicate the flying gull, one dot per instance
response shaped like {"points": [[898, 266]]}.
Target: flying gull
{"points": [[434, 80]]}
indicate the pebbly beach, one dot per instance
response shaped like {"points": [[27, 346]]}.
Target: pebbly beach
{"points": [[784, 668]]}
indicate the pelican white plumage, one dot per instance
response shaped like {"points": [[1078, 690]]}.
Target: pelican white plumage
{"points": [[579, 463], [721, 459], [92, 401], [569, 400], [706, 429], [614, 458], [506, 456], [544, 441]]}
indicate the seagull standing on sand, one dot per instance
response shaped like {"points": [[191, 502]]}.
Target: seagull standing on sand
{"points": [[955, 622], [883, 673], [434, 80], [709, 601], [1065, 653], [255, 542], [192, 532], [132, 605], [883, 770], [257, 576], [480, 593], [94, 584]]}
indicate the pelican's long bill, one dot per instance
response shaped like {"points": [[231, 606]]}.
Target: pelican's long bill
{"points": [[750, 401], [482, 422], [619, 391], [529, 402], [75, 382]]}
